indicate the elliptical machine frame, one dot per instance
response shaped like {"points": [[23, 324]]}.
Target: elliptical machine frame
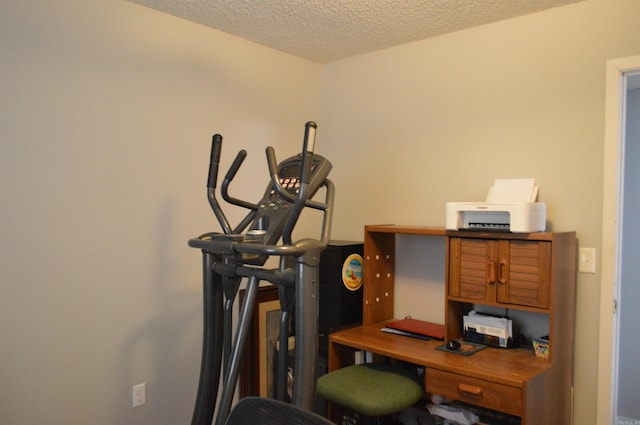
{"points": [[232, 255]]}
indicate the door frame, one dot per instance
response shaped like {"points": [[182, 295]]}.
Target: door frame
{"points": [[611, 229]]}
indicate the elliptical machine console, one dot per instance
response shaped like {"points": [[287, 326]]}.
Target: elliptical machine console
{"points": [[241, 252]]}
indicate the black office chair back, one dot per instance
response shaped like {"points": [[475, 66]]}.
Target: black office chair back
{"points": [[265, 411]]}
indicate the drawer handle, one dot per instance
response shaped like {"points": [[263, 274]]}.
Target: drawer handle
{"points": [[471, 390]]}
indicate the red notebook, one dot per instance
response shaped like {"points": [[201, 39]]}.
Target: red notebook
{"points": [[418, 327]]}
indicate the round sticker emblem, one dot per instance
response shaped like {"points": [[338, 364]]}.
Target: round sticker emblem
{"points": [[352, 272]]}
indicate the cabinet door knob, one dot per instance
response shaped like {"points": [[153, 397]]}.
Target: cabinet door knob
{"points": [[502, 272], [491, 272]]}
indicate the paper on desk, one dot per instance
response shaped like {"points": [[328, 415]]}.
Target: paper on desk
{"points": [[454, 414], [512, 190]]}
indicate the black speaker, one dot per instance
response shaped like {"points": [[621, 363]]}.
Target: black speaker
{"points": [[340, 289]]}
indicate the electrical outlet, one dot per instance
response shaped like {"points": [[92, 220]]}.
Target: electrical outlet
{"points": [[587, 260], [139, 395]]}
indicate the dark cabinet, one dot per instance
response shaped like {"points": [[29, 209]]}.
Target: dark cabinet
{"points": [[340, 295]]}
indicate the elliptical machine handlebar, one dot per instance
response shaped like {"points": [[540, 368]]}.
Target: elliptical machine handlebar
{"points": [[305, 168], [307, 151], [212, 182], [293, 182], [233, 170], [305, 179], [214, 161]]}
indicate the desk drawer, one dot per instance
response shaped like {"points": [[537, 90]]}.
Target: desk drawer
{"points": [[475, 391]]}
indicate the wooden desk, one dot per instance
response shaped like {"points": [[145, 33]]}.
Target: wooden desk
{"points": [[495, 378], [527, 272]]}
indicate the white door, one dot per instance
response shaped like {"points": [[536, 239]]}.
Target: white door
{"points": [[619, 371], [628, 301]]}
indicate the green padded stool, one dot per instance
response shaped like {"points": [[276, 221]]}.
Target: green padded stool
{"points": [[371, 389]]}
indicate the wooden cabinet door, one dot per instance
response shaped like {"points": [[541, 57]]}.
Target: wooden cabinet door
{"points": [[499, 272], [524, 274], [472, 269]]}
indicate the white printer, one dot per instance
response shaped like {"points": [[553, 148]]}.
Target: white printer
{"points": [[510, 207]]}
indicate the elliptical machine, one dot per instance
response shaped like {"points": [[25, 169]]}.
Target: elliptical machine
{"points": [[235, 254]]}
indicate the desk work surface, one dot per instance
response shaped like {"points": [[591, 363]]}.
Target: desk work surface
{"points": [[512, 367]]}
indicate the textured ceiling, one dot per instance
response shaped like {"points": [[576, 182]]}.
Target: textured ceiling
{"points": [[328, 30]]}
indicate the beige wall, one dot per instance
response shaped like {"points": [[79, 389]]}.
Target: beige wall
{"points": [[438, 120], [106, 113]]}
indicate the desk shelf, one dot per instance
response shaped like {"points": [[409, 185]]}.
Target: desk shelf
{"points": [[532, 272]]}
